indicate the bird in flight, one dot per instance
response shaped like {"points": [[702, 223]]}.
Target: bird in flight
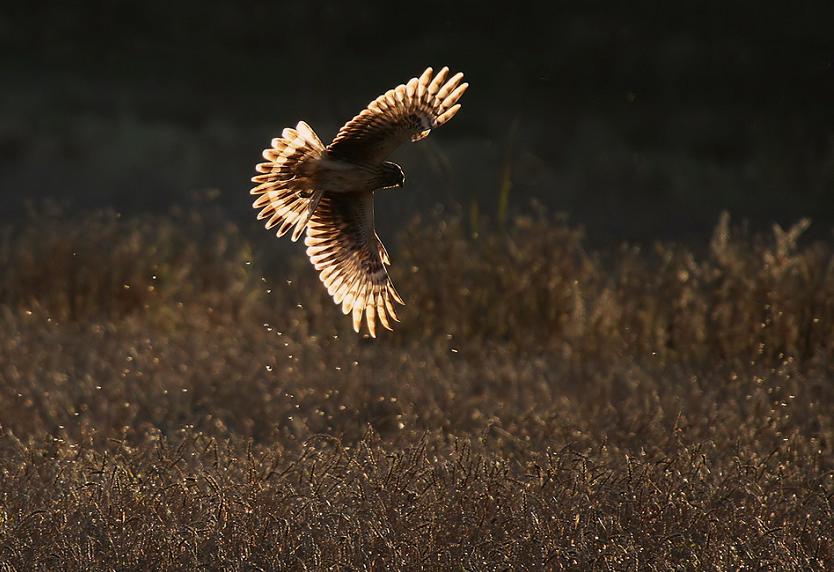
{"points": [[329, 191]]}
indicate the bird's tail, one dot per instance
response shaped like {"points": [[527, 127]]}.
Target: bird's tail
{"points": [[284, 189]]}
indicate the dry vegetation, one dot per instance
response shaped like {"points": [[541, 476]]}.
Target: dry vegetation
{"points": [[170, 400]]}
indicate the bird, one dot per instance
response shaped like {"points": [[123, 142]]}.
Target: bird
{"points": [[328, 191]]}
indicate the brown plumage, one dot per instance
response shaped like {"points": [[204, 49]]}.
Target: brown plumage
{"points": [[329, 190]]}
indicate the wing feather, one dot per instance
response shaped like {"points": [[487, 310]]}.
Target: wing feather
{"points": [[344, 248], [284, 193], [405, 113]]}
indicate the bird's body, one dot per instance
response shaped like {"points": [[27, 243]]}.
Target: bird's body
{"points": [[329, 190], [333, 175]]}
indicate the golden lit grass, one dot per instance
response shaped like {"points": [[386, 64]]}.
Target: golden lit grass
{"points": [[165, 403]]}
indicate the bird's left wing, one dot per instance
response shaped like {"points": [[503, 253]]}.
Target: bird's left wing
{"points": [[344, 247], [406, 113]]}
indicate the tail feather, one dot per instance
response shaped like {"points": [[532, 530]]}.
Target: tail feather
{"points": [[285, 194]]}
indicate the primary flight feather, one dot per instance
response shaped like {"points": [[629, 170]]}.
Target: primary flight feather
{"points": [[329, 190]]}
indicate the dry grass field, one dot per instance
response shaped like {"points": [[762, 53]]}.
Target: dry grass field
{"points": [[172, 399]]}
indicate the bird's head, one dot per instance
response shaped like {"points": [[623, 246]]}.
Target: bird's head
{"points": [[392, 176]]}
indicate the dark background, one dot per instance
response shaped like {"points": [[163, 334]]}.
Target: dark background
{"points": [[641, 120]]}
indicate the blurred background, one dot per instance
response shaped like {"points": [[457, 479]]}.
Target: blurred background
{"points": [[638, 119]]}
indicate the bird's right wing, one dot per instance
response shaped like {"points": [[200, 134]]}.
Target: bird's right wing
{"points": [[344, 247], [406, 113], [285, 195]]}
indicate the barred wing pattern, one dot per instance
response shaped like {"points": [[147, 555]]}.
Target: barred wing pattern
{"points": [[284, 196], [344, 247], [406, 113]]}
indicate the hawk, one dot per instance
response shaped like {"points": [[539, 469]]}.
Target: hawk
{"points": [[329, 191]]}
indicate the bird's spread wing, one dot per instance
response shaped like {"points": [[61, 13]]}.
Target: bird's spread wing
{"points": [[344, 248], [406, 113], [285, 196]]}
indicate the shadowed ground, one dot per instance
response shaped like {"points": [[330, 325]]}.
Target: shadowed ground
{"points": [[176, 401]]}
